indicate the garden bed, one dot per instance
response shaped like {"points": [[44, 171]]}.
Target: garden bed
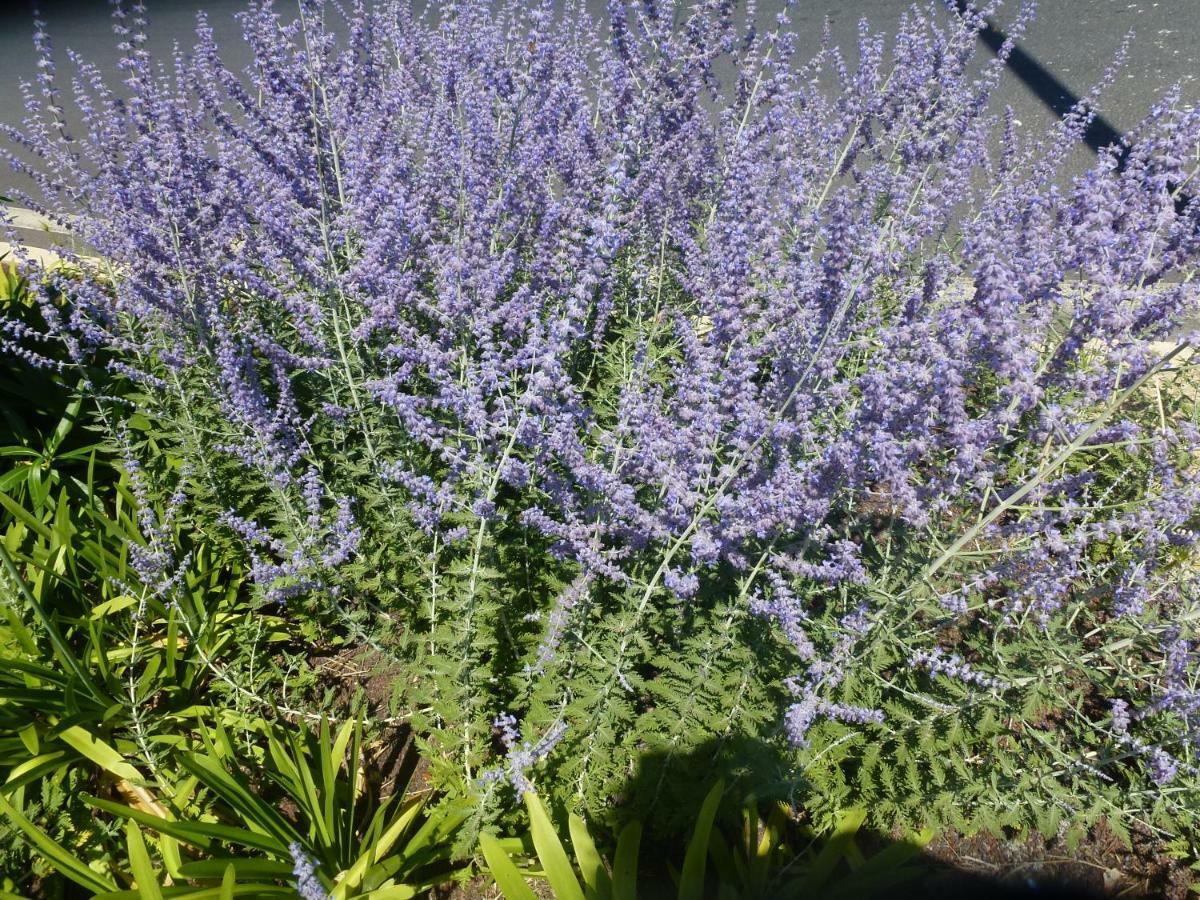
{"points": [[482, 457]]}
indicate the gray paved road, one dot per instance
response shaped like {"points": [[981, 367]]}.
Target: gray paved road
{"points": [[1073, 39]]}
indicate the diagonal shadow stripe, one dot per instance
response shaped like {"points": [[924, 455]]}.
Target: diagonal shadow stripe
{"points": [[1047, 87], [1060, 99]]}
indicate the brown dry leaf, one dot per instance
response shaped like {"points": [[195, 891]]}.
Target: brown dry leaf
{"points": [[140, 799]]}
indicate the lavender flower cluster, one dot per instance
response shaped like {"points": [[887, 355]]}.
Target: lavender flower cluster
{"points": [[520, 755], [937, 662], [304, 870], [836, 333]]}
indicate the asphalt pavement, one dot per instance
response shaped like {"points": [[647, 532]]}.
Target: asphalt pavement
{"points": [[1063, 53]]}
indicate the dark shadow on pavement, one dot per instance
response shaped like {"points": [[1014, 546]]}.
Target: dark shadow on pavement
{"points": [[1044, 85]]}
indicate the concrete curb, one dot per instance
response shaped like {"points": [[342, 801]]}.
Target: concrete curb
{"points": [[40, 238]]}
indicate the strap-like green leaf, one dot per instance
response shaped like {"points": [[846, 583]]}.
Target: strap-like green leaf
{"points": [[377, 849], [342, 812], [29, 737], [65, 424], [202, 835], [213, 893], [329, 768], [227, 882], [168, 848], [26, 518], [32, 770], [19, 630], [306, 793], [35, 670], [55, 854], [596, 883], [244, 868], [392, 892], [172, 642], [252, 808], [61, 649], [550, 851], [505, 874], [848, 823], [728, 867], [139, 861], [91, 747], [625, 863], [886, 869], [436, 826], [691, 880], [757, 849]]}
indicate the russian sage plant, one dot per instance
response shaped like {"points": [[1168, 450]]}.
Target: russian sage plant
{"points": [[668, 393]]}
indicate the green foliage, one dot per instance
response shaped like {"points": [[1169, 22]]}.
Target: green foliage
{"points": [[132, 701], [768, 857], [102, 672], [217, 829], [592, 881], [151, 702], [363, 845]]}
